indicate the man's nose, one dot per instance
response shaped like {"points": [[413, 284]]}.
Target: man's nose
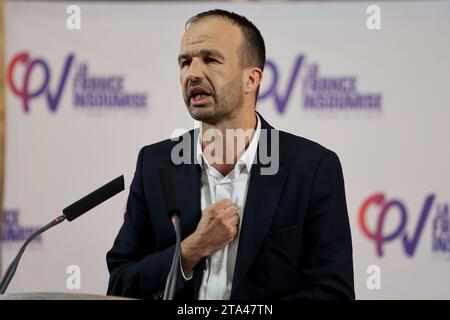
{"points": [[195, 70]]}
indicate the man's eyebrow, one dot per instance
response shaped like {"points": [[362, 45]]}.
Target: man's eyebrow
{"points": [[202, 53]]}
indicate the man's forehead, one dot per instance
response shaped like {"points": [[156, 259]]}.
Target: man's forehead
{"points": [[194, 38], [211, 29]]}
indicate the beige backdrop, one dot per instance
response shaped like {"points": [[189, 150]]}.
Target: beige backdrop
{"points": [[55, 157]]}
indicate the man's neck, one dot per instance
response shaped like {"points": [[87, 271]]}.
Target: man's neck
{"points": [[236, 135]]}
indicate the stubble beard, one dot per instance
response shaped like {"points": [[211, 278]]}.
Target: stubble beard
{"points": [[226, 105]]}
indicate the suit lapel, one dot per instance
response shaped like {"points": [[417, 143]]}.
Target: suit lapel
{"points": [[263, 195], [187, 179]]}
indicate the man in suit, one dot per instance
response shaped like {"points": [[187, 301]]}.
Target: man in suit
{"points": [[249, 231]]}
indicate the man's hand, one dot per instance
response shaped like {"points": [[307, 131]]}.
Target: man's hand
{"points": [[217, 227]]}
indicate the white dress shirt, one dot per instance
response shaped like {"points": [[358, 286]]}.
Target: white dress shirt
{"points": [[219, 268]]}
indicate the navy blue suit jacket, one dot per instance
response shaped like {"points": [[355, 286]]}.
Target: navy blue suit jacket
{"points": [[295, 240]]}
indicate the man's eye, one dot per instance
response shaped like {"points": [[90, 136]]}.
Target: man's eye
{"points": [[185, 63], [210, 60]]}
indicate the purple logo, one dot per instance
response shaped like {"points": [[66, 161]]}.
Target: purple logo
{"points": [[89, 90], [13, 231], [441, 230], [104, 91], [380, 236], [318, 92], [23, 90]]}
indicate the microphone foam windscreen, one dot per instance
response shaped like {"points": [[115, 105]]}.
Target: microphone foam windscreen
{"points": [[93, 199]]}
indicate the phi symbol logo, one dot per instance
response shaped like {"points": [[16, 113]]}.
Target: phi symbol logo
{"points": [[379, 234], [23, 89]]}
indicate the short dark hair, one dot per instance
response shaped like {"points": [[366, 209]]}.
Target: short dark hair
{"points": [[254, 50]]}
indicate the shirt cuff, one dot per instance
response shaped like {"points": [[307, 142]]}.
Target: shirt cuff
{"points": [[186, 277]]}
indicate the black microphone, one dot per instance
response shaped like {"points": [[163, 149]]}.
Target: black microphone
{"points": [[174, 215], [93, 199], [70, 213]]}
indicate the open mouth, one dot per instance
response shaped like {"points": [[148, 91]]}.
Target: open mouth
{"points": [[199, 96]]}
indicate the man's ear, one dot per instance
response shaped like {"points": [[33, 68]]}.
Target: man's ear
{"points": [[253, 77]]}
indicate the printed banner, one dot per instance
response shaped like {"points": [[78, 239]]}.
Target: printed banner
{"points": [[87, 86]]}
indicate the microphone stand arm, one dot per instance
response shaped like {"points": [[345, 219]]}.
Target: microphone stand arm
{"points": [[172, 278], [13, 266]]}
